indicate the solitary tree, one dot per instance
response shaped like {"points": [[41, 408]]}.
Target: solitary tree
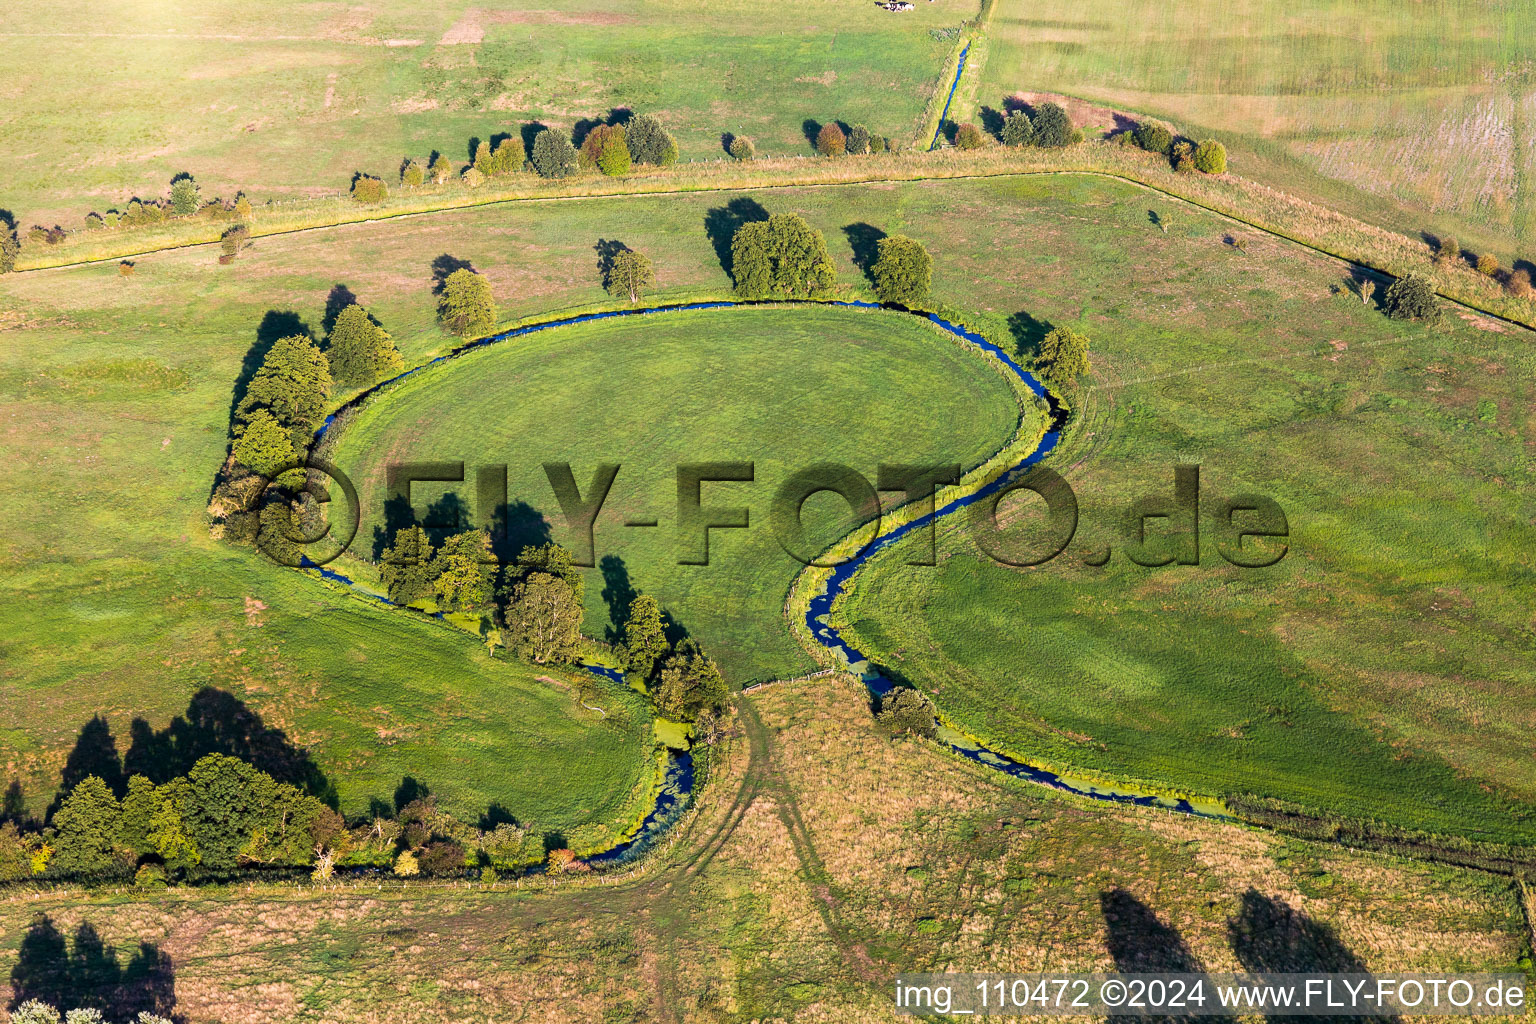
{"points": [[631, 274], [782, 255], [649, 142], [1448, 251], [264, 446], [553, 155], [185, 196], [1211, 157], [968, 136], [830, 140], [293, 384], [1412, 298], [361, 352], [466, 307], [903, 270], [1053, 128], [406, 567], [742, 148], [645, 639], [234, 239], [1018, 130], [544, 619]]}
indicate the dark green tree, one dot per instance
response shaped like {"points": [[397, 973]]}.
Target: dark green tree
{"points": [[549, 558], [140, 804], [360, 351], [690, 685], [466, 307], [1412, 298], [645, 638], [1062, 359], [226, 799], [781, 256], [406, 567], [553, 155], [1053, 128], [903, 270], [858, 140], [88, 830], [1018, 130], [293, 384], [649, 142], [1154, 138]]}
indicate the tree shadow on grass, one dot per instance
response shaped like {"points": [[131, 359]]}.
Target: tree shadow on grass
{"points": [[530, 133], [619, 593], [91, 976], [864, 240], [444, 266], [516, 526], [94, 753], [1139, 943], [607, 250], [812, 128], [722, 222], [217, 722], [992, 121], [339, 299], [1028, 333]]}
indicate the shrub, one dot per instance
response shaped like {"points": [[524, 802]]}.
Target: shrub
{"points": [[781, 256], [234, 239], [406, 866], [1183, 156], [34, 1011], [442, 857], [472, 177], [968, 136], [1211, 157], [185, 197], [439, 170], [903, 270], [1448, 251], [10, 247], [1154, 138], [648, 142], [879, 144], [466, 307], [150, 876], [1018, 130], [830, 141], [858, 140], [1412, 298], [1488, 264], [368, 189], [1053, 128], [742, 148], [242, 206], [125, 268], [405, 567], [553, 155], [1519, 284], [412, 174], [110, 218], [482, 160], [93, 222], [905, 711]]}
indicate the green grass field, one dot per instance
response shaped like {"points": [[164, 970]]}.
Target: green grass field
{"points": [[287, 101], [1417, 116], [782, 388]]}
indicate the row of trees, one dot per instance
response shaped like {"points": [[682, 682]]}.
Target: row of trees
{"points": [[1449, 254], [35, 1011], [184, 200], [1207, 156], [784, 257], [1046, 125], [612, 148], [833, 140]]}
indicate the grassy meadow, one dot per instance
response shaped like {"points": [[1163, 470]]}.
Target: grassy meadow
{"points": [[288, 101], [1417, 116], [824, 861], [781, 388], [1203, 353]]}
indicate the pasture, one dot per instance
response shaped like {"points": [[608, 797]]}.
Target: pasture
{"points": [[782, 388], [288, 101], [1414, 116]]}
